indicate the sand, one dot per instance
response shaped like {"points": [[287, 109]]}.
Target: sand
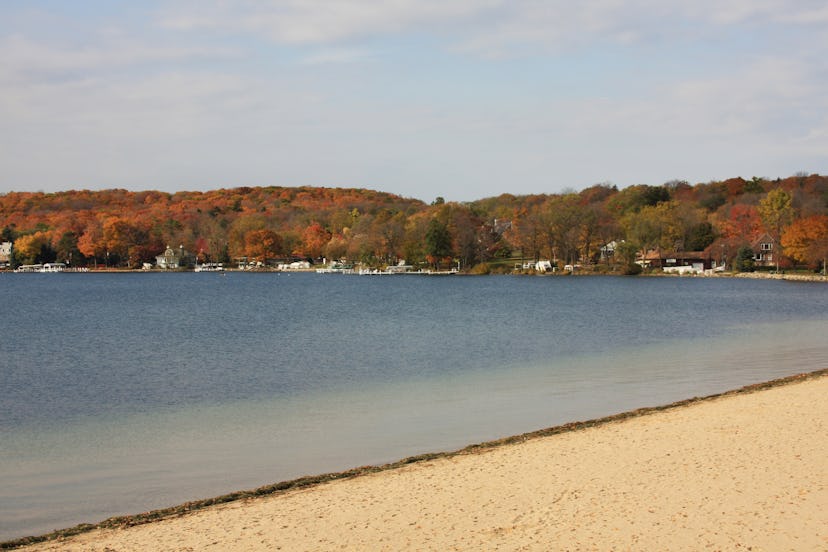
{"points": [[741, 472]]}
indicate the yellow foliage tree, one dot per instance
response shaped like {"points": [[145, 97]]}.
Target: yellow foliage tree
{"points": [[31, 247]]}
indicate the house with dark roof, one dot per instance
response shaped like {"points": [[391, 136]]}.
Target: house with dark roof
{"points": [[763, 250], [697, 260]]}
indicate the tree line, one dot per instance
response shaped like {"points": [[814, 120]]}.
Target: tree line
{"points": [[120, 228]]}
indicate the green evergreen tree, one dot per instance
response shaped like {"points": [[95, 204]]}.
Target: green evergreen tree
{"points": [[744, 260]]}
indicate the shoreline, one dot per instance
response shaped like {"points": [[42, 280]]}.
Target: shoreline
{"points": [[792, 276], [312, 483]]}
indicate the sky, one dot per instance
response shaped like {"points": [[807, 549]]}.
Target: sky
{"points": [[461, 99]]}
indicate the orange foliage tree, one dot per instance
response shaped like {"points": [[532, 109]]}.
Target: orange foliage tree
{"points": [[90, 243], [261, 244], [806, 240], [742, 223], [314, 240]]}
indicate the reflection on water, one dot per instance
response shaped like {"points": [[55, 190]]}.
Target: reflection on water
{"points": [[156, 389]]}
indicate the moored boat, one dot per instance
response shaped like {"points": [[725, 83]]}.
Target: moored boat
{"points": [[209, 267]]}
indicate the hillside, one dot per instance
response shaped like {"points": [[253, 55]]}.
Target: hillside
{"points": [[121, 228]]}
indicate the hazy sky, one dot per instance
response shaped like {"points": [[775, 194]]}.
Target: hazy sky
{"points": [[456, 98]]}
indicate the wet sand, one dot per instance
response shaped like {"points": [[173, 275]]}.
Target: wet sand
{"points": [[746, 471]]}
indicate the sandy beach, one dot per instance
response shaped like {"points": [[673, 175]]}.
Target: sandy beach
{"points": [[745, 471]]}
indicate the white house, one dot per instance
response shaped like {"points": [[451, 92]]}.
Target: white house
{"points": [[544, 266], [171, 259], [5, 254]]}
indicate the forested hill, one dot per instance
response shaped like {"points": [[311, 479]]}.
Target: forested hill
{"points": [[128, 228], [133, 227]]}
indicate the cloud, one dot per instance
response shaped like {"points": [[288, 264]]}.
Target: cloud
{"points": [[337, 56], [225, 93], [818, 15], [774, 96], [486, 27], [22, 57], [770, 101], [317, 21], [170, 130]]}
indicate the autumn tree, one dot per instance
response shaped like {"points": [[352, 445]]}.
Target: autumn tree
{"points": [[635, 198], [653, 227], [341, 219], [463, 227], [776, 211], [314, 239], [739, 223], [562, 229], [391, 229], [238, 230], [34, 248], [363, 245], [413, 245], [598, 193], [527, 232], [336, 248], [806, 240], [165, 230], [262, 244], [437, 242], [591, 231], [212, 240], [91, 243], [710, 197], [121, 235]]}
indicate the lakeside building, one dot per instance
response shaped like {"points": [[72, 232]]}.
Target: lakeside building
{"points": [[5, 254], [172, 259], [697, 260], [763, 250], [608, 250]]}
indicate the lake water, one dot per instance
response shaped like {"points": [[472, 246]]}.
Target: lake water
{"points": [[121, 393]]}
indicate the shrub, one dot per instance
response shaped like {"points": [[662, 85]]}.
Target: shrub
{"points": [[481, 268], [631, 269]]}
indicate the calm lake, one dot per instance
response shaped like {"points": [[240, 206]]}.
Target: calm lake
{"points": [[121, 393]]}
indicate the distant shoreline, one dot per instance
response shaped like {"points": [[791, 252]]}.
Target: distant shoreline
{"points": [[310, 482], [747, 275]]}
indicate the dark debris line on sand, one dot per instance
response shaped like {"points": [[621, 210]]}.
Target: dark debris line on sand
{"points": [[310, 481]]}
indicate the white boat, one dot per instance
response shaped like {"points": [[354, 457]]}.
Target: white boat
{"points": [[336, 268], [47, 267], [29, 268], [210, 267]]}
